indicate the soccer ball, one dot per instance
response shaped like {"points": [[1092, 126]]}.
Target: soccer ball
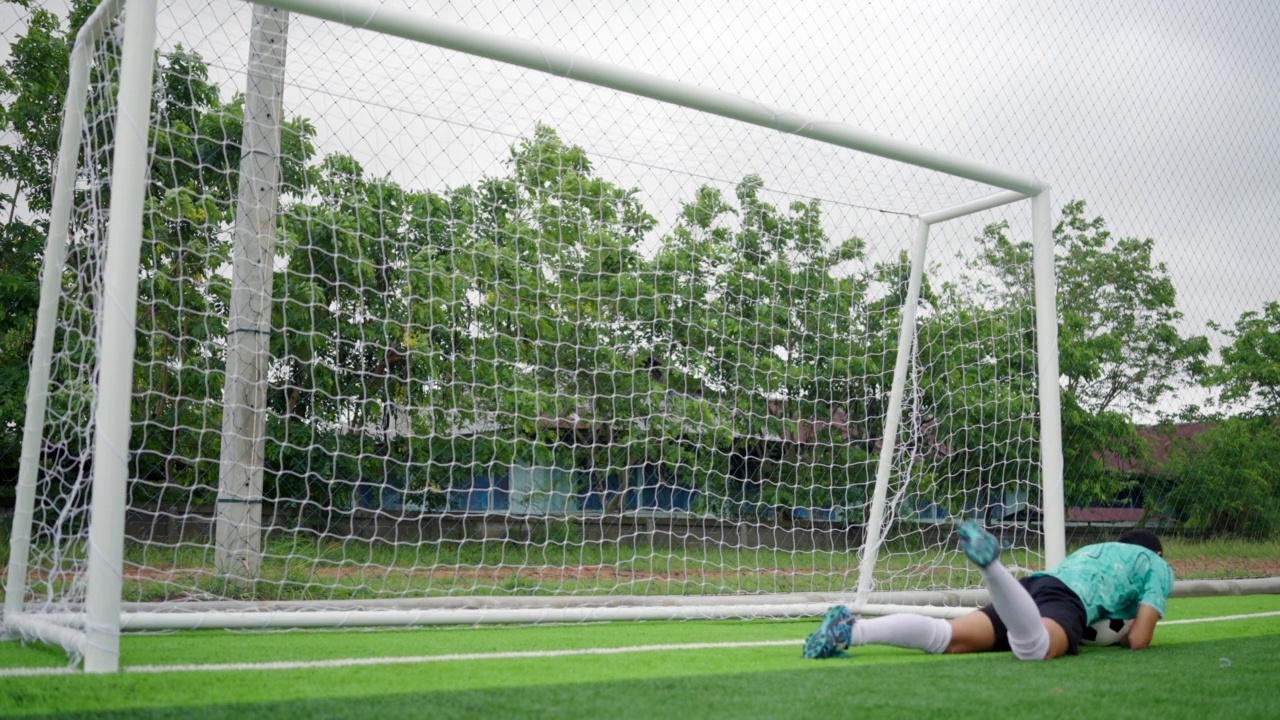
{"points": [[1106, 632]]}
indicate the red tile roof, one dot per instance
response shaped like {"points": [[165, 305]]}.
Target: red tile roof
{"points": [[1160, 440], [1113, 515]]}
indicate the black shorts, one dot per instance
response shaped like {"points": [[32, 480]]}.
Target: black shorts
{"points": [[1055, 601]]}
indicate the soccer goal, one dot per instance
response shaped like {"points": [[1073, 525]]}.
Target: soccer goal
{"points": [[354, 316]]}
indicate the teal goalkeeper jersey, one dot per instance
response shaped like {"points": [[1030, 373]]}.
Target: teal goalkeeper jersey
{"points": [[1113, 578]]}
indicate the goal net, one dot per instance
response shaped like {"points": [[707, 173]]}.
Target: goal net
{"points": [[411, 323]]}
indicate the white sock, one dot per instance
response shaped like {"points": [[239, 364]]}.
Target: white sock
{"points": [[1028, 637], [932, 635]]}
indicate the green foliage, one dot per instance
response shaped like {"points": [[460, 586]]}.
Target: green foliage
{"points": [[1120, 351], [761, 306], [423, 336], [978, 379], [1250, 367], [183, 289], [1097, 440], [194, 174], [1227, 480], [32, 84], [1117, 311], [759, 299]]}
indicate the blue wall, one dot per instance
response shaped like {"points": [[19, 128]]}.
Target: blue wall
{"points": [[650, 491], [482, 493]]}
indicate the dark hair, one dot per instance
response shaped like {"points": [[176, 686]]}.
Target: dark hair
{"points": [[1143, 538]]}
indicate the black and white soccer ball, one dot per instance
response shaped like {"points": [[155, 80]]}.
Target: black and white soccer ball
{"points": [[1106, 632]]}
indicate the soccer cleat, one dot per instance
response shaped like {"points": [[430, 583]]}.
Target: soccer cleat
{"points": [[980, 546], [832, 637]]}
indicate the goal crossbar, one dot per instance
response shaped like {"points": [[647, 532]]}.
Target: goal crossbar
{"points": [[415, 26]]}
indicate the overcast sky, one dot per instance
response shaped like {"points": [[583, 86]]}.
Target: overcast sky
{"points": [[1164, 116]]}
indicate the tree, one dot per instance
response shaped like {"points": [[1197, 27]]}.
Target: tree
{"points": [[1119, 345], [190, 204], [760, 332], [524, 315], [183, 290], [1250, 369], [1120, 350], [33, 82], [1227, 480], [978, 389], [344, 377]]}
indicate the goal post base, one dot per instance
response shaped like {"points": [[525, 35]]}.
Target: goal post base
{"points": [[310, 619], [65, 631]]}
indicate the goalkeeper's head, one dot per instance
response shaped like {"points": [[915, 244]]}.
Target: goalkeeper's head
{"points": [[1143, 538]]}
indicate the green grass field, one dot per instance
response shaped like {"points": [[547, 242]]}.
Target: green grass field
{"points": [[1224, 668], [334, 570]]}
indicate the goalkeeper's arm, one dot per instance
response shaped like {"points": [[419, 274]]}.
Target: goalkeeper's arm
{"points": [[1144, 626]]}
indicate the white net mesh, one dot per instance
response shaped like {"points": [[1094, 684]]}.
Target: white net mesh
{"points": [[533, 338], [530, 337]]}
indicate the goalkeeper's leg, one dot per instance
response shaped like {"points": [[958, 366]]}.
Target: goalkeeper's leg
{"points": [[932, 635], [1028, 637], [839, 631], [971, 633]]}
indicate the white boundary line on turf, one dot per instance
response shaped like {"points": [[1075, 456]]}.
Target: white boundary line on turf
{"points": [[423, 659], [1191, 621], [404, 660]]}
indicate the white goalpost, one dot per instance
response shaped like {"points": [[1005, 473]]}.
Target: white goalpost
{"points": [[352, 316]]}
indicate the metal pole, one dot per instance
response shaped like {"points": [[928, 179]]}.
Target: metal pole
{"points": [[416, 26], [968, 208], [238, 531], [117, 342], [906, 340], [55, 256], [1055, 534]]}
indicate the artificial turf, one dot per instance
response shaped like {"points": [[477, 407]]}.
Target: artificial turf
{"points": [[1193, 670]]}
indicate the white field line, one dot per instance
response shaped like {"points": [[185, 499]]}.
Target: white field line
{"points": [[403, 660], [1191, 621], [422, 659]]}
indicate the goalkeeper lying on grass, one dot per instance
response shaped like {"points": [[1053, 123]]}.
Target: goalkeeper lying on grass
{"points": [[1040, 617]]}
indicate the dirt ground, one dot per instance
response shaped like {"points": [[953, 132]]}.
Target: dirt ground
{"points": [[1218, 568]]}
